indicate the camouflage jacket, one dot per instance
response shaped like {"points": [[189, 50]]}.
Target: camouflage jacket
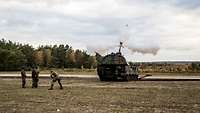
{"points": [[23, 74], [34, 73], [54, 76]]}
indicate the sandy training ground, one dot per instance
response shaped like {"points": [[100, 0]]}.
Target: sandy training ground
{"points": [[89, 95]]}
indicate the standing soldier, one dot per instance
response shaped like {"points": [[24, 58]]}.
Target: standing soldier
{"points": [[23, 75], [34, 74], [37, 77], [55, 77]]}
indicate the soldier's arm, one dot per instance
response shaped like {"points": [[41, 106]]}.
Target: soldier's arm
{"points": [[56, 74], [51, 76], [32, 74]]}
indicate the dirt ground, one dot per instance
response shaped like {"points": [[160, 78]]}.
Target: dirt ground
{"points": [[92, 96]]}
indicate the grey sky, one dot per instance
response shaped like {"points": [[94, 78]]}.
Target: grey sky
{"points": [[171, 25]]}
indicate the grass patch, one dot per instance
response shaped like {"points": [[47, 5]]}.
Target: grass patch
{"points": [[80, 96]]}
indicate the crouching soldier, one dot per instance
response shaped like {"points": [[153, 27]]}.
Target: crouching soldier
{"points": [[55, 77], [23, 75]]}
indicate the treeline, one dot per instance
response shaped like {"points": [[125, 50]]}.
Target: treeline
{"points": [[167, 67], [14, 56]]}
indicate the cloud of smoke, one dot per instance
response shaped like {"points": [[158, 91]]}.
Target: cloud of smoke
{"points": [[137, 47], [144, 50], [133, 44], [133, 47]]}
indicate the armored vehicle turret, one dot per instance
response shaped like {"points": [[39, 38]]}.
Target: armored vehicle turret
{"points": [[113, 67]]}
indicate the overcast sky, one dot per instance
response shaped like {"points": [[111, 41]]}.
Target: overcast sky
{"points": [[173, 26]]}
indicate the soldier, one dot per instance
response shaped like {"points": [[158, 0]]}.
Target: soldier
{"points": [[34, 78], [55, 77], [23, 75], [37, 77]]}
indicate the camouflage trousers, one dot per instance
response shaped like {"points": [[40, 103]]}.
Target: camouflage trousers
{"points": [[23, 82], [35, 82], [54, 80]]}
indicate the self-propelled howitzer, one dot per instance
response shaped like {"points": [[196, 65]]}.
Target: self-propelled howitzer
{"points": [[113, 67]]}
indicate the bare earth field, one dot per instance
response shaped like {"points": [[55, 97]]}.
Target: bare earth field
{"points": [[89, 95]]}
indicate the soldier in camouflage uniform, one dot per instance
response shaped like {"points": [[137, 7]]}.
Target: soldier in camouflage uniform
{"points": [[35, 77], [55, 77], [23, 75]]}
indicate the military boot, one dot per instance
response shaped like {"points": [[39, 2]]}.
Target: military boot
{"points": [[61, 87], [51, 88]]}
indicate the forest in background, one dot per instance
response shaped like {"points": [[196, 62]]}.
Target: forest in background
{"points": [[168, 66], [14, 56]]}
